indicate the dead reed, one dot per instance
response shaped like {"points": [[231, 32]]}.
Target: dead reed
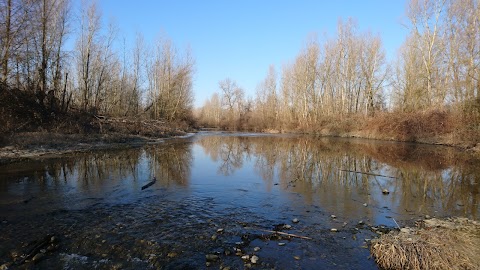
{"points": [[436, 244]]}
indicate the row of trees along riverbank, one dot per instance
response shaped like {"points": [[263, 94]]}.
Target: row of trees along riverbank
{"points": [[345, 85], [102, 73]]}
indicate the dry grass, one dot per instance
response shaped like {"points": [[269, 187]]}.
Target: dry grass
{"points": [[449, 244]]}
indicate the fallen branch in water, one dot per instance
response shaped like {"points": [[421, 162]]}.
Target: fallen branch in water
{"points": [[150, 183], [373, 174], [278, 232]]}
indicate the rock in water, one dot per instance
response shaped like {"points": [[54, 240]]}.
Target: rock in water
{"points": [[38, 257], [385, 191], [211, 257], [295, 220], [254, 259]]}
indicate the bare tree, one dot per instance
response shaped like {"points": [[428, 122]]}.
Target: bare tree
{"points": [[232, 100], [425, 17]]}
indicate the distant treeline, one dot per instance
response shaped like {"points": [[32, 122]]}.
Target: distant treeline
{"points": [[102, 75], [437, 69]]}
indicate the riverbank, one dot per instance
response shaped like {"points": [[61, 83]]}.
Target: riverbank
{"points": [[438, 127], [32, 145], [451, 243], [453, 127]]}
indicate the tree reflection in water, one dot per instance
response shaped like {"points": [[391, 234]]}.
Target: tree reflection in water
{"points": [[332, 172], [113, 175]]}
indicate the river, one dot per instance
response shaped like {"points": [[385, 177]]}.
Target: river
{"points": [[219, 197]]}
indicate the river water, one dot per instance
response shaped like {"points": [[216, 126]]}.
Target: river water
{"points": [[220, 195]]}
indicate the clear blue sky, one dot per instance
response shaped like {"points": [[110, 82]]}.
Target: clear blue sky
{"points": [[241, 39]]}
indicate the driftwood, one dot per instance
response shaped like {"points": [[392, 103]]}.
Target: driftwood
{"points": [[150, 183], [37, 247], [281, 233], [373, 174]]}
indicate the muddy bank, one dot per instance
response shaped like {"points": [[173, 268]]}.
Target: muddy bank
{"points": [[32, 145]]}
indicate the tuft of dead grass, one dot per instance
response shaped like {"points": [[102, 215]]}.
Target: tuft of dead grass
{"points": [[437, 244]]}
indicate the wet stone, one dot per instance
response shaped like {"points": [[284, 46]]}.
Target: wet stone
{"points": [[211, 257], [5, 266], [254, 259], [38, 257], [256, 249], [295, 220]]}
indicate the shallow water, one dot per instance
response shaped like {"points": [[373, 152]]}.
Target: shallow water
{"points": [[243, 184]]}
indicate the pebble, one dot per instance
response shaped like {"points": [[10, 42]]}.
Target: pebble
{"points": [[365, 204], [344, 224], [333, 230], [281, 244], [287, 226], [14, 254], [172, 254], [256, 249], [295, 220], [405, 230], [427, 216], [254, 259], [246, 257], [38, 257], [385, 191], [220, 230], [296, 257], [333, 216], [360, 222], [211, 257], [214, 237]]}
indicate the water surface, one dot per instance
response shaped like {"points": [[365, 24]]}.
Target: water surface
{"points": [[243, 184]]}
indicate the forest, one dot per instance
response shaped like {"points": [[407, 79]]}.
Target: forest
{"points": [[342, 85], [345, 85], [54, 87]]}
